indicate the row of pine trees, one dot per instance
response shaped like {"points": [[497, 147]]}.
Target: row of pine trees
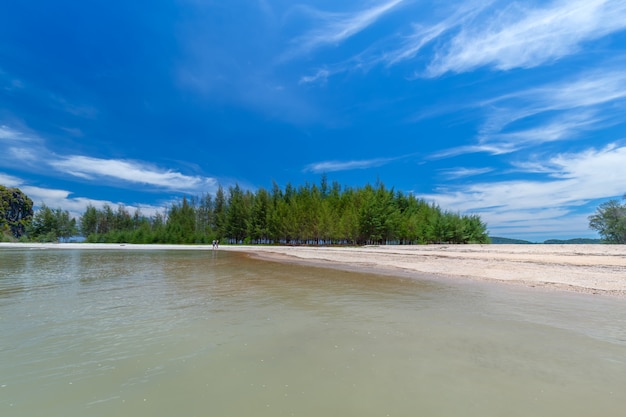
{"points": [[324, 214]]}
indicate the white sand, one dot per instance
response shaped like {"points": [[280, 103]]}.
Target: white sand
{"points": [[582, 268]]}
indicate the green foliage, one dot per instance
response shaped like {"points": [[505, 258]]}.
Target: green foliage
{"points": [[51, 225], [108, 226], [237, 214], [609, 221], [309, 214], [16, 212]]}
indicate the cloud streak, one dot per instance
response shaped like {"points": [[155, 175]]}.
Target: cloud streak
{"points": [[11, 135], [335, 28], [58, 198], [564, 127], [593, 88], [320, 77], [562, 111], [524, 37], [495, 34], [132, 172], [424, 34], [456, 173], [23, 148], [334, 166], [569, 182]]}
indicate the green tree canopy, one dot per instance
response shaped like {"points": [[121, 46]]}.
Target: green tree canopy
{"points": [[308, 214], [609, 221], [16, 212], [51, 225]]}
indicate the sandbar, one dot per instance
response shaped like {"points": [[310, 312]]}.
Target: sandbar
{"points": [[594, 269]]}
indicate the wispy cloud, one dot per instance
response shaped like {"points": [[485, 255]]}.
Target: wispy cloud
{"points": [[319, 77], [57, 198], [132, 172], [591, 88], [497, 34], [564, 127], [424, 34], [566, 182], [456, 173], [566, 110], [11, 135], [335, 28], [525, 37], [333, 166], [9, 180], [392, 49], [22, 147]]}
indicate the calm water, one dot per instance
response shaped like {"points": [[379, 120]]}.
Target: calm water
{"points": [[195, 333]]}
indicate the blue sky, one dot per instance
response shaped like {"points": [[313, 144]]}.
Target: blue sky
{"points": [[511, 110]]}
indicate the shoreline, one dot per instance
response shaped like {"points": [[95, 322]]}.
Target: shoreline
{"points": [[591, 269], [588, 269]]}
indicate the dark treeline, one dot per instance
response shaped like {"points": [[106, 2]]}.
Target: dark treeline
{"points": [[324, 214]]}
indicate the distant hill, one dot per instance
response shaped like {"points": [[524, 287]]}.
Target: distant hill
{"points": [[579, 241], [506, 241]]}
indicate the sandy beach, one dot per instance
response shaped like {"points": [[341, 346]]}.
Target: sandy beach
{"points": [[597, 269]]}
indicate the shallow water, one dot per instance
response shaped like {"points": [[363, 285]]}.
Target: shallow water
{"points": [[196, 333]]}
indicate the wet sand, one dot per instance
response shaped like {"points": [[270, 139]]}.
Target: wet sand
{"points": [[596, 269]]}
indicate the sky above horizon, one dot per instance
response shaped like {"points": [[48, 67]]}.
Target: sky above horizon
{"points": [[511, 110]]}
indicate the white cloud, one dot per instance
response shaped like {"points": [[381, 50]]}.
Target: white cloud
{"points": [[21, 148], [381, 52], [424, 34], [525, 37], [9, 134], [132, 172], [498, 34], [470, 35], [22, 154], [50, 196], [569, 182], [62, 199], [539, 225], [24, 148], [76, 206], [333, 166], [565, 127], [587, 90], [566, 110], [9, 180], [337, 27], [320, 76], [456, 173]]}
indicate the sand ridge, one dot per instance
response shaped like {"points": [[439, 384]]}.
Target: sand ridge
{"points": [[581, 268]]}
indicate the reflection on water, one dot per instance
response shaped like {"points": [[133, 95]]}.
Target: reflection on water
{"points": [[162, 333]]}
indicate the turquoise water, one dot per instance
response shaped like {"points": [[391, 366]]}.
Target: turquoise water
{"points": [[201, 333]]}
